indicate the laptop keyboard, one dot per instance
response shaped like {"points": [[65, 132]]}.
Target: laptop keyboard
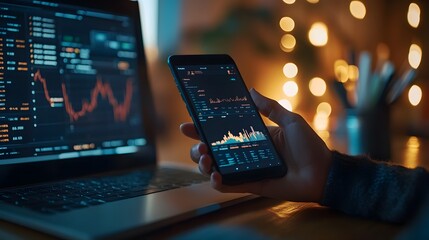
{"points": [[72, 194]]}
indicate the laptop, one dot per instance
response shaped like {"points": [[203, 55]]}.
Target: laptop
{"points": [[77, 140]]}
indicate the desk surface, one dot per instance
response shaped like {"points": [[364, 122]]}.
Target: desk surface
{"points": [[285, 220], [290, 220], [280, 219]]}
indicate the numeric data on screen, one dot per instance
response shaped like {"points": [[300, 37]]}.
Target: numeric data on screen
{"points": [[232, 126], [68, 81]]}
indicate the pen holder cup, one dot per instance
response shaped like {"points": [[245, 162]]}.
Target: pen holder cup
{"points": [[368, 133]]}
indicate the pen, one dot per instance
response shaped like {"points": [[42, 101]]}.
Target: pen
{"points": [[364, 75], [400, 85]]}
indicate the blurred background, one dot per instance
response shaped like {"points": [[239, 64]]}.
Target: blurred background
{"points": [[322, 59]]}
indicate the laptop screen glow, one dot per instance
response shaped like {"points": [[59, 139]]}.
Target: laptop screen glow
{"points": [[68, 83]]}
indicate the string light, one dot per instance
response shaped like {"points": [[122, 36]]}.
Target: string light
{"points": [[290, 88], [317, 86], [288, 43], [415, 56], [415, 95], [413, 15], [289, 1], [286, 104], [324, 108], [353, 72], [357, 9], [287, 24], [318, 34], [341, 70], [290, 70], [320, 122]]}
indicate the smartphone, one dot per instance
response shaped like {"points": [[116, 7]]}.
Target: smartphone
{"points": [[226, 118]]}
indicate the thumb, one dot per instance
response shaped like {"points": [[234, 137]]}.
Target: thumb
{"points": [[272, 109]]}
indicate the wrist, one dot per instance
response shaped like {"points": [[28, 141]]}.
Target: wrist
{"points": [[324, 172]]}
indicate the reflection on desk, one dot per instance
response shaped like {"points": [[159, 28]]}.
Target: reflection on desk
{"points": [[407, 151], [290, 220], [281, 219]]}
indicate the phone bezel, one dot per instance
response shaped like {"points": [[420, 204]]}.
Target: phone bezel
{"points": [[222, 59]]}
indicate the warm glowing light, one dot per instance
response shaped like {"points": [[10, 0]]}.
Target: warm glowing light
{"points": [[415, 95], [324, 108], [289, 1], [383, 51], [290, 88], [290, 70], [313, 1], [286, 104], [320, 122], [318, 34], [341, 69], [411, 154], [288, 43], [317, 86], [413, 142], [413, 15], [353, 72], [357, 9], [287, 24], [415, 56]]}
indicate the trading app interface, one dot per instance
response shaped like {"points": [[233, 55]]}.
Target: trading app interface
{"points": [[232, 126], [68, 83]]}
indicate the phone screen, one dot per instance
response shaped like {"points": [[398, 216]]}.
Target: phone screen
{"points": [[227, 118]]}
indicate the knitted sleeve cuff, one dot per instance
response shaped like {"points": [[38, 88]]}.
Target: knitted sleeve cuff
{"points": [[362, 187]]}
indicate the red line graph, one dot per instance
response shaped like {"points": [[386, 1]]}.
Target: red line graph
{"points": [[120, 110]]}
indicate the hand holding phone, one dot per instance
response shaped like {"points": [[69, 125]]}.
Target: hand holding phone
{"points": [[306, 155], [226, 118]]}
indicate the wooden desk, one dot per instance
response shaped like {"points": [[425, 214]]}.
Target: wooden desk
{"points": [[289, 220], [285, 220], [279, 219]]}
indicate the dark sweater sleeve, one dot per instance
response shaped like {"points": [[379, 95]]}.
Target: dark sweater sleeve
{"points": [[362, 187]]}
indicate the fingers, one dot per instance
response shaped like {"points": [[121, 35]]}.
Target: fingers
{"points": [[197, 151], [205, 164], [199, 154], [189, 130], [272, 109]]}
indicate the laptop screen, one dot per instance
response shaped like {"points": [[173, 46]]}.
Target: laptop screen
{"points": [[69, 82]]}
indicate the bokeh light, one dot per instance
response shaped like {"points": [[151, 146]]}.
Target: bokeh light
{"points": [[289, 1], [415, 95], [415, 56], [288, 43], [290, 88], [317, 86], [357, 9], [341, 70], [286, 104], [320, 122], [413, 15], [412, 152], [313, 1], [318, 34], [353, 72], [287, 24], [324, 108], [290, 70]]}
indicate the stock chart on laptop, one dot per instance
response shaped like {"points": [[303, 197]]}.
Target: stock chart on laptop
{"points": [[68, 83]]}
